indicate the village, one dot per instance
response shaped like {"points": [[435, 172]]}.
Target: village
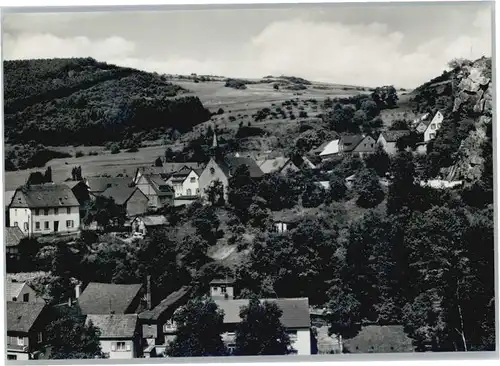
{"points": [[130, 327]]}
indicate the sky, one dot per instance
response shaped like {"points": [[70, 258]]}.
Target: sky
{"points": [[357, 44]]}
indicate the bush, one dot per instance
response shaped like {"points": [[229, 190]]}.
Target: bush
{"points": [[133, 149], [235, 84], [114, 149], [93, 153], [78, 154], [303, 114], [247, 131]]}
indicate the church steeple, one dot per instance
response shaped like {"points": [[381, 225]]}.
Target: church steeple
{"points": [[214, 141]]}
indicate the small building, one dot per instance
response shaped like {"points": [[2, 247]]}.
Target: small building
{"points": [[185, 182], [433, 126], [120, 335], [13, 237], [142, 224], [25, 330], [279, 164], [357, 145], [158, 192], [222, 288], [330, 149], [158, 328], [81, 192], [285, 220], [45, 209], [97, 185], [388, 140], [21, 292], [132, 199], [111, 298]]}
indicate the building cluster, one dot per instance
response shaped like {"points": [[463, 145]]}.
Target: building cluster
{"points": [[130, 327]]}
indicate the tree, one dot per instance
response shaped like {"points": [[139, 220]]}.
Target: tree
{"points": [[340, 118], [158, 162], [367, 186], [242, 190], [115, 149], [370, 108], [313, 196], [276, 86], [337, 189], [105, 212], [215, 193], [379, 161], [400, 124], [199, 328], [385, 96], [70, 337], [260, 331], [359, 118], [278, 191], [402, 183], [48, 175], [35, 178]]}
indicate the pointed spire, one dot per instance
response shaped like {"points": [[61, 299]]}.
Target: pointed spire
{"points": [[214, 142]]}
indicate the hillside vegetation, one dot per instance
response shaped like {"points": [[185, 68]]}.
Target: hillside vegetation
{"points": [[81, 101]]}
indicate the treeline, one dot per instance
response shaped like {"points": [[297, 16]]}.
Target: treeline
{"points": [[31, 155], [81, 101]]}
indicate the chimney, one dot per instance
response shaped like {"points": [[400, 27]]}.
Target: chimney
{"points": [[148, 292], [77, 291]]}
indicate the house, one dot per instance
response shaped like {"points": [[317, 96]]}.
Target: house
{"points": [[166, 169], [45, 209], [80, 190], [21, 292], [185, 182], [285, 220], [13, 237], [97, 185], [158, 192], [223, 169], [388, 140], [328, 149], [25, 329], [433, 126], [120, 336], [279, 164], [417, 121], [110, 298], [295, 318], [158, 329], [222, 288], [358, 145], [132, 198], [142, 224]]}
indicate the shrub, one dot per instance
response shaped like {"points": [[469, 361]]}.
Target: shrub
{"points": [[235, 84], [114, 149], [78, 154]]}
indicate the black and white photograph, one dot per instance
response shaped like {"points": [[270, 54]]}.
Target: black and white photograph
{"points": [[248, 180]]}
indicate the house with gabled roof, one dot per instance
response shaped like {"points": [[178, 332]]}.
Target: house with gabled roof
{"points": [[132, 199], [156, 189], [45, 209], [389, 138], [142, 224], [97, 185], [120, 335], [166, 169], [359, 145], [222, 170], [186, 186], [111, 298], [25, 329], [21, 292], [13, 237]]}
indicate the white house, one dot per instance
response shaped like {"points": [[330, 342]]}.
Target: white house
{"points": [[388, 140], [45, 209], [185, 182], [330, 149], [120, 334], [433, 126]]}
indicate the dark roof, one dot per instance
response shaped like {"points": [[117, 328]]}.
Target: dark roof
{"points": [[349, 142], [22, 315], [13, 236], [222, 281], [44, 195], [114, 325], [120, 194], [295, 311], [160, 187], [104, 298], [152, 220], [233, 162], [100, 184], [380, 339], [286, 216], [393, 136], [183, 172], [168, 304]]}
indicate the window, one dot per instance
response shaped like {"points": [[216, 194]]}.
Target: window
{"points": [[20, 341], [118, 346], [432, 135], [14, 298], [11, 357], [223, 289], [433, 126], [46, 211], [68, 210], [46, 225], [16, 223], [69, 223], [212, 171], [37, 225], [192, 180], [56, 211], [15, 211], [25, 226], [188, 192], [197, 191], [40, 337], [215, 288], [37, 212], [26, 297]]}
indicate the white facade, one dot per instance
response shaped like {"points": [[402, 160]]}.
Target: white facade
{"points": [[389, 147], [190, 186], [45, 220], [24, 294], [17, 356], [433, 127], [118, 348], [300, 340]]}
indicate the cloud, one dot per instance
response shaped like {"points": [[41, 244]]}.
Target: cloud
{"points": [[364, 54]]}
